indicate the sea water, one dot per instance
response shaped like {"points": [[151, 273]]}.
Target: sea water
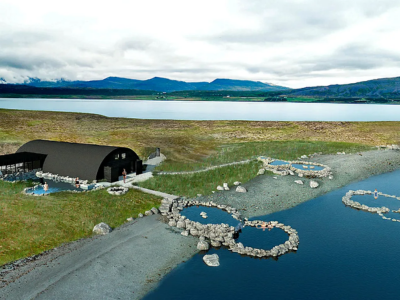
{"points": [[343, 254]]}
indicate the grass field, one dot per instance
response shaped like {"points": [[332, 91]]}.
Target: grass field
{"points": [[31, 225]]}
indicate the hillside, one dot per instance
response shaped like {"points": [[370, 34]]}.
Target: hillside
{"points": [[240, 85], [377, 88]]}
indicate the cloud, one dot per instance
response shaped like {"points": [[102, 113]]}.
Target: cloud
{"points": [[289, 42]]}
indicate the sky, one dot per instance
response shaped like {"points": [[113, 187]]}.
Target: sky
{"points": [[293, 43]]}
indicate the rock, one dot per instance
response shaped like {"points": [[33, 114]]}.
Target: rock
{"points": [[261, 172], [225, 185], [102, 228], [305, 167], [211, 260], [148, 212], [185, 233], [203, 245], [237, 183], [314, 184], [291, 172], [129, 219], [140, 215], [275, 177], [300, 174], [330, 177], [303, 156], [181, 224], [298, 181], [155, 210], [198, 195], [215, 243], [220, 188], [241, 189]]}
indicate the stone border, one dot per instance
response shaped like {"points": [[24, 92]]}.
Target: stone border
{"points": [[117, 190], [378, 210], [27, 190], [289, 169], [222, 234]]}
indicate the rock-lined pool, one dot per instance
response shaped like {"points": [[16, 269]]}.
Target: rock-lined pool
{"points": [[343, 254], [55, 186], [297, 166], [214, 215]]}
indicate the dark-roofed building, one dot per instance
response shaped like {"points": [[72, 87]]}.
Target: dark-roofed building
{"points": [[86, 161]]}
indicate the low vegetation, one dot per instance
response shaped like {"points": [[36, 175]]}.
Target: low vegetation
{"points": [[30, 225]]}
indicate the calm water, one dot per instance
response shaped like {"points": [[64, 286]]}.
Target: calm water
{"points": [[214, 215], [56, 187], [343, 254], [208, 110], [316, 168], [297, 166]]}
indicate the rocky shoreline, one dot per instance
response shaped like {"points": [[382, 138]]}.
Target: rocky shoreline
{"points": [[265, 195]]}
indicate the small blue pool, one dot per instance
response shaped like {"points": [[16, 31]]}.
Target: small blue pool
{"points": [[300, 167], [214, 215], [279, 163], [55, 187]]}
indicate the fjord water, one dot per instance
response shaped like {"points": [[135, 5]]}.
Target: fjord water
{"points": [[343, 254], [212, 110]]}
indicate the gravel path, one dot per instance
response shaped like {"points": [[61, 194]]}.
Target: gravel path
{"points": [[128, 262]]}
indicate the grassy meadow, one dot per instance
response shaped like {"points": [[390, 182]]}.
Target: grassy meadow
{"points": [[30, 225]]}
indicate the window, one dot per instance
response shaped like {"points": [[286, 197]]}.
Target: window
{"points": [[116, 156], [123, 155]]}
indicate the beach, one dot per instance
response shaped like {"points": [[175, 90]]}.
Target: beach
{"points": [[129, 262]]}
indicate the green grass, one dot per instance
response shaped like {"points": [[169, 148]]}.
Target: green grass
{"points": [[287, 150], [202, 183], [30, 225]]}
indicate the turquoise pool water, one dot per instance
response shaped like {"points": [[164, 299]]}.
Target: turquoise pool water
{"points": [[55, 187], [300, 166], [343, 254]]}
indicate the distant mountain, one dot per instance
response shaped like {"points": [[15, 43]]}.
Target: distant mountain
{"points": [[167, 85], [240, 85], [158, 84], [377, 88]]}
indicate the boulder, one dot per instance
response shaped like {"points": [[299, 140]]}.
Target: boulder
{"points": [[102, 228], [261, 172], [225, 185], [241, 189], [140, 215], [129, 219], [203, 245], [220, 188], [148, 212], [155, 210], [314, 184], [298, 181], [237, 183], [211, 260]]}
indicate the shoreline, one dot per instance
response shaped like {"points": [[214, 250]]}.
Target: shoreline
{"points": [[161, 247]]}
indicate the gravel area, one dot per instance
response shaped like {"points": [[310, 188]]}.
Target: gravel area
{"points": [[129, 262], [125, 264], [268, 195]]}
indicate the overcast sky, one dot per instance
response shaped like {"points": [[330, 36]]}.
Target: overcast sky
{"points": [[294, 43]]}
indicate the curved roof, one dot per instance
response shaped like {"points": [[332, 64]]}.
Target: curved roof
{"points": [[70, 159]]}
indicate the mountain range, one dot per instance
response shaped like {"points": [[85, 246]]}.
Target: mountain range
{"points": [[376, 88], [159, 84]]}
